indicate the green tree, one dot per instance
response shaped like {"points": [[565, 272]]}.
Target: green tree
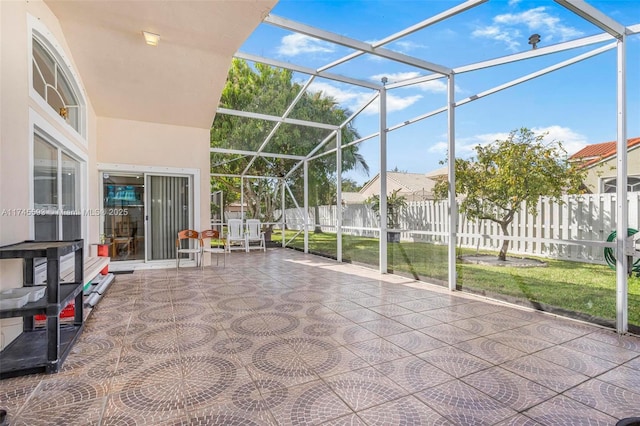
{"points": [[523, 167], [270, 90]]}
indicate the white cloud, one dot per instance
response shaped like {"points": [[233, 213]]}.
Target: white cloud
{"points": [[394, 103], [349, 98], [513, 2], [406, 46], [494, 32], [297, 44], [465, 147], [571, 141], [535, 20]]}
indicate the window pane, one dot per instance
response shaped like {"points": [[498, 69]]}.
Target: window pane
{"points": [[45, 189], [44, 63], [45, 175]]}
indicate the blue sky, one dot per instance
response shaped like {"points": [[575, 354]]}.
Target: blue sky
{"points": [[576, 105]]}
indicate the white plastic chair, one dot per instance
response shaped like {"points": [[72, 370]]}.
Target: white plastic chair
{"points": [[195, 249], [212, 234], [235, 236], [254, 234]]}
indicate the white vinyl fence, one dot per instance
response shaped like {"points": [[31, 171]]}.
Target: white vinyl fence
{"points": [[583, 218]]}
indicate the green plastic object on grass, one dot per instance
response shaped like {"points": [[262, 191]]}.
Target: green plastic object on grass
{"points": [[610, 257]]}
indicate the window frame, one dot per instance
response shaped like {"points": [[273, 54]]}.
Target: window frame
{"points": [[40, 32]]}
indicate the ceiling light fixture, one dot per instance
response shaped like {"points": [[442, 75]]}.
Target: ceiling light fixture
{"points": [[150, 38]]}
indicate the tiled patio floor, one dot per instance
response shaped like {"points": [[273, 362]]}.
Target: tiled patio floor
{"points": [[283, 338]]}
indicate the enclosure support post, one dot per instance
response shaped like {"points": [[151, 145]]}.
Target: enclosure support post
{"points": [[383, 180], [621, 196], [451, 171], [339, 195], [242, 197], [283, 219], [305, 202]]}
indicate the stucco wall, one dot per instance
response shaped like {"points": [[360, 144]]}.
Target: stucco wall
{"points": [[15, 139], [136, 143]]}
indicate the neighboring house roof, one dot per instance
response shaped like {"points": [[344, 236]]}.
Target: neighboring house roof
{"points": [[353, 198], [593, 154], [408, 182]]}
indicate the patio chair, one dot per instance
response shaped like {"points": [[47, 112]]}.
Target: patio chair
{"points": [[235, 235], [192, 246], [254, 234], [211, 235]]}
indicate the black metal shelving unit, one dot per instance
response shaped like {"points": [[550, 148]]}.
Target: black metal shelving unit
{"points": [[44, 349]]}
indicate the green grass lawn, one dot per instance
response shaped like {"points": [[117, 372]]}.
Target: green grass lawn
{"points": [[577, 289]]}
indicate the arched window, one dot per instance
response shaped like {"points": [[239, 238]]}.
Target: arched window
{"points": [[633, 185], [54, 85]]}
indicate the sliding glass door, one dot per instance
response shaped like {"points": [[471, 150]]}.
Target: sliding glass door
{"points": [[143, 213], [169, 202]]}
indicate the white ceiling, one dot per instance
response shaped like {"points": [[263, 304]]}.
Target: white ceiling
{"points": [[178, 82]]}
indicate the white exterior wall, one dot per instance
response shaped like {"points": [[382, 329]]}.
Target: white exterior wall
{"points": [[107, 141]]}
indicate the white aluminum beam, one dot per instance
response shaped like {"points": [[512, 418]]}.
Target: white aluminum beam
{"points": [[593, 15], [547, 50], [261, 154], [332, 150], [328, 138], [306, 70], [539, 73], [451, 171], [622, 203], [353, 44], [383, 182], [267, 117], [507, 85], [306, 206], [243, 176], [409, 30], [297, 166], [339, 198]]}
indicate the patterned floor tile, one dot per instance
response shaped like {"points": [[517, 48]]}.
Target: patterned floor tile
{"points": [[604, 350], [404, 411], [449, 333], [561, 410], [268, 340], [526, 344], [365, 388], [360, 315], [391, 310], [413, 373], [548, 374], [518, 420], [613, 400], [454, 361], [83, 413], [348, 420], [462, 404], [417, 320], [378, 350], [576, 361], [545, 330], [311, 403], [510, 389], [624, 377], [489, 350], [385, 327], [415, 342]]}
